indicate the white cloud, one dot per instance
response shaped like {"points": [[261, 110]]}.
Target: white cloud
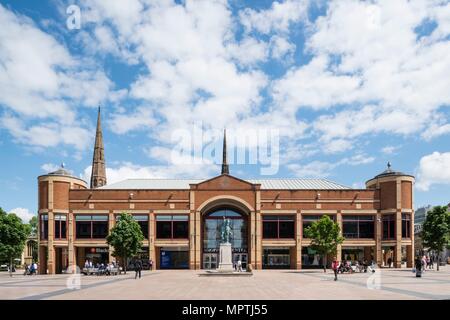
{"points": [[390, 149], [281, 48], [314, 169], [277, 18], [433, 169], [435, 130], [373, 61], [128, 170], [23, 214], [41, 85], [123, 123], [49, 167]]}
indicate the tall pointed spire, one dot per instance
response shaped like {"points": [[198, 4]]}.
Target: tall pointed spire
{"points": [[98, 176], [225, 169]]}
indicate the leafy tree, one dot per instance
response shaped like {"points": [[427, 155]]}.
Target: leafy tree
{"points": [[13, 235], [126, 238], [436, 230], [325, 237], [33, 225]]}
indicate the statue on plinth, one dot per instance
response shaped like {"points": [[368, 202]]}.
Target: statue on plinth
{"points": [[226, 232]]}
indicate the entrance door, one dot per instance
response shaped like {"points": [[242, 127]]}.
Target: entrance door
{"points": [[210, 261], [242, 257]]}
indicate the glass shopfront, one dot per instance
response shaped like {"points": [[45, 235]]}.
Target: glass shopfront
{"points": [[212, 225], [276, 258], [173, 258], [311, 259], [97, 255]]}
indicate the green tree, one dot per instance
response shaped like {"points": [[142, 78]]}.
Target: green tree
{"points": [[126, 238], [436, 230], [13, 235], [33, 225], [325, 237]]}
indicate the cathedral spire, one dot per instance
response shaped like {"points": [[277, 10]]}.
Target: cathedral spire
{"points": [[98, 176], [225, 169]]}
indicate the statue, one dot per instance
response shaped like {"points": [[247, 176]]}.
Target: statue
{"points": [[226, 232]]}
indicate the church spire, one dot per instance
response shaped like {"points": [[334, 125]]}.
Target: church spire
{"points": [[98, 176], [225, 169]]}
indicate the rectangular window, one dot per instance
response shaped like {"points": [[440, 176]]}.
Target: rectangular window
{"points": [[389, 227], [91, 227], [406, 225], [44, 226], [142, 220], [278, 227], [60, 226], [361, 227], [307, 220], [172, 227]]}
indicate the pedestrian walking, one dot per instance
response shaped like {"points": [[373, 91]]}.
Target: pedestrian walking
{"points": [[137, 268], [151, 264], [418, 264], [239, 265], [389, 261], [335, 267], [431, 262]]}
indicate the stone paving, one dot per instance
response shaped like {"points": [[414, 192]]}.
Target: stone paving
{"points": [[264, 284]]}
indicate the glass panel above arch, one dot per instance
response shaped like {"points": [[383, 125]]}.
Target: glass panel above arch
{"points": [[227, 213]]}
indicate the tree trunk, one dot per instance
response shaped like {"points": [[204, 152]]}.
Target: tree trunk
{"points": [[325, 262], [438, 262], [10, 267], [125, 265]]}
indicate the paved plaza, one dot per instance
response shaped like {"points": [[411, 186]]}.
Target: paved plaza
{"points": [[264, 284]]}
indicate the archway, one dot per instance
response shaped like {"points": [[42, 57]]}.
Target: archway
{"points": [[212, 220]]}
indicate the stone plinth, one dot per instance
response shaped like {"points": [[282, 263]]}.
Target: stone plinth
{"points": [[225, 256]]}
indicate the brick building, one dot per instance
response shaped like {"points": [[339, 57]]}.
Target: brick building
{"points": [[181, 219]]}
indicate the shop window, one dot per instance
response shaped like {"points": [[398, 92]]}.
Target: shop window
{"points": [[91, 227], [307, 220], [361, 227], [142, 220], [406, 225], [60, 226], [172, 227], [278, 227], [44, 226], [389, 227]]}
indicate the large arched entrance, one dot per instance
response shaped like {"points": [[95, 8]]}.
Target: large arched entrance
{"points": [[211, 235]]}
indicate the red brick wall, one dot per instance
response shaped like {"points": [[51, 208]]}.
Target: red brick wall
{"points": [[61, 195], [388, 195], [43, 195], [406, 194]]}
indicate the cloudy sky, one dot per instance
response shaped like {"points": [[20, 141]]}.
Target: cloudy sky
{"points": [[346, 85]]}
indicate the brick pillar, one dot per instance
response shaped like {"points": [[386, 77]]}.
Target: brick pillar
{"points": [[378, 249], [398, 246], [298, 240], [258, 234], [111, 223], [410, 256], [252, 237], [51, 249], [71, 249], [198, 263], [151, 239], [339, 247], [192, 240]]}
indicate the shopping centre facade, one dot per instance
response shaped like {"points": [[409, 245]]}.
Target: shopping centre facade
{"points": [[181, 219]]}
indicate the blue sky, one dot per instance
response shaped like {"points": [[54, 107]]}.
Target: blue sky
{"points": [[344, 93]]}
